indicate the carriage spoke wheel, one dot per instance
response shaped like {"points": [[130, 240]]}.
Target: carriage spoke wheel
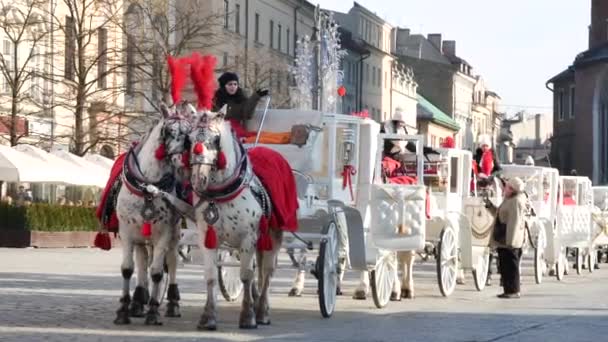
{"points": [[579, 261], [447, 261], [327, 270], [540, 266], [382, 279], [480, 272], [229, 278], [560, 269]]}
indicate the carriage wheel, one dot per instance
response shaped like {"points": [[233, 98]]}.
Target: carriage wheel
{"points": [[327, 270], [540, 266], [228, 277], [591, 260], [560, 267], [480, 272], [578, 256], [382, 278], [447, 261]]}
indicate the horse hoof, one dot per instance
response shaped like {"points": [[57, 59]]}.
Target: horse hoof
{"points": [[265, 321], [395, 297], [172, 310], [122, 318], [360, 295], [248, 326], [153, 318], [136, 310], [408, 294], [294, 292], [339, 291]]}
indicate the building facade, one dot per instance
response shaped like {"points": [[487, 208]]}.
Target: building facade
{"points": [[580, 106]]}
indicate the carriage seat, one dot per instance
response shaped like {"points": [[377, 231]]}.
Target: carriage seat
{"points": [[282, 120]]}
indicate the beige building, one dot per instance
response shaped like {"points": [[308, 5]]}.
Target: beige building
{"points": [[527, 135], [57, 77]]}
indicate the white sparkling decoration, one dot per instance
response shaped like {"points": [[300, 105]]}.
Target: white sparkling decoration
{"points": [[301, 94]]}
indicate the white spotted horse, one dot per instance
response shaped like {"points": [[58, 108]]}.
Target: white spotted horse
{"points": [[150, 224], [243, 200]]}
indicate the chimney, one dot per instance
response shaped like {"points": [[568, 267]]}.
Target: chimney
{"points": [[435, 39], [402, 37], [598, 32], [449, 48]]}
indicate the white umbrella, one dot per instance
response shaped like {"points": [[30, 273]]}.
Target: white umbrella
{"points": [[17, 166], [100, 160], [94, 174]]}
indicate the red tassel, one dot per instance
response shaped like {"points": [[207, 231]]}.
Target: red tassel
{"points": [[186, 158], [198, 148], [487, 162], [102, 240], [203, 78], [221, 160], [264, 241], [210, 238], [146, 229], [160, 152]]}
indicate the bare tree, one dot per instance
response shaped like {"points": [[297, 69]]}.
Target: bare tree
{"points": [[156, 29], [88, 82], [25, 48]]}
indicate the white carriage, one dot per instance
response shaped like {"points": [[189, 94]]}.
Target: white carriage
{"points": [[456, 228], [541, 185], [599, 226], [326, 168], [573, 224]]}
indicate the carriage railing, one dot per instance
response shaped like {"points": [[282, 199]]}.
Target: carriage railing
{"points": [[419, 162]]}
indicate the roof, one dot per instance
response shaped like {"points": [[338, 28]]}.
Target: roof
{"points": [[347, 42], [566, 74], [591, 56], [428, 111]]}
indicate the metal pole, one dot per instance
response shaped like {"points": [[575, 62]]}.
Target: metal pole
{"points": [[257, 137]]}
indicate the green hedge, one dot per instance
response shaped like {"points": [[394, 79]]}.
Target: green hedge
{"points": [[48, 218]]}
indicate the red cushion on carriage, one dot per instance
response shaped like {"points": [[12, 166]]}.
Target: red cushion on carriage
{"points": [[389, 165], [402, 180]]}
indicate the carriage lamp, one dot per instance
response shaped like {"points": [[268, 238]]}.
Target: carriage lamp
{"points": [[348, 145]]}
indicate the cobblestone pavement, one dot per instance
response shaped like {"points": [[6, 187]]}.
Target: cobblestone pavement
{"points": [[72, 294]]}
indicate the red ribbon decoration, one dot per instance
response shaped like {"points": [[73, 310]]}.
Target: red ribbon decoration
{"points": [[347, 172]]}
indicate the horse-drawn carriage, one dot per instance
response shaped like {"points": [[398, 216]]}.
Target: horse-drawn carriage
{"points": [[541, 184], [599, 229], [454, 225], [573, 224]]}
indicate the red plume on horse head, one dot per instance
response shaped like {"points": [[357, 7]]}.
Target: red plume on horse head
{"points": [[178, 68], [203, 79]]}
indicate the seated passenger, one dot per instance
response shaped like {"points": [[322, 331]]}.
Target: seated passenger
{"points": [[397, 149], [240, 108]]}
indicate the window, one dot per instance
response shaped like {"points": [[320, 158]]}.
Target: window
{"points": [[279, 44], [7, 49], [225, 59], [572, 102], [379, 81], [257, 27], [70, 48], [385, 80], [560, 104], [102, 53], [271, 36], [373, 75], [237, 18], [288, 38], [226, 14], [366, 73], [433, 141]]}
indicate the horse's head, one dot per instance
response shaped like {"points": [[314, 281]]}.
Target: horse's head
{"points": [[177, 125], [213, 149]]}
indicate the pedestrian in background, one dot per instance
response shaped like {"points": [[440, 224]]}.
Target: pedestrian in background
{"points": [[509, 235]]}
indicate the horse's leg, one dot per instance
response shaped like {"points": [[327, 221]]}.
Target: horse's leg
{"points": [[363, 288], [122, 314], [141, 296], [395, 292], [173, 292], [407, 287], [208, 320], [248, 250], [157, 269], [298, 284], [269, 262]]}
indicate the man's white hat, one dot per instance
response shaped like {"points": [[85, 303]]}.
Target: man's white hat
{"points": [[485, 139], [529, 161], [398, 115]]}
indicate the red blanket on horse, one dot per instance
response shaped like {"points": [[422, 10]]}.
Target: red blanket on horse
{"points": [[112, 224], [275, 174]]}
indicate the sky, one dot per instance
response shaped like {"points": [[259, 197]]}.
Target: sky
{"points": [[515, 45]]}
